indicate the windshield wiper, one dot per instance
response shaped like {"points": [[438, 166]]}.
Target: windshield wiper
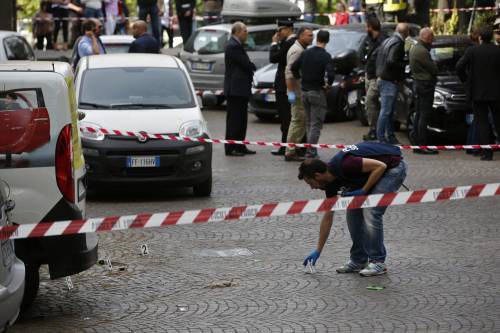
{"points": [[141, 105], [95, 105]]}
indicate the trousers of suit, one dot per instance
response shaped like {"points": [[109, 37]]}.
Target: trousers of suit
{"points": [[236, 121], [284, 113], [186, 27], [481, 110]]}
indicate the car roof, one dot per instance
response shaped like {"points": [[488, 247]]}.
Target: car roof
{"points": [[25, 66], [451, 40], [131, 60], [116, 39], [256, 27], [5, 33]]}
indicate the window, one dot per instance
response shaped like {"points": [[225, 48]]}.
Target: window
{"points": [[260, 40], [137, 87], [208, 41], [17, 48]]}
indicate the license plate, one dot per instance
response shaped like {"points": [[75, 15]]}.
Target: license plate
{"points": [[143, 161], [8, 256], [270, 98], [201, 66], [352, 97]]}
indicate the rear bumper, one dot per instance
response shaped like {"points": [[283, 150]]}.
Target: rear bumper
{"points": [[259, 104], [205, 82], [176, 166], [11, 295], [65, 255]]}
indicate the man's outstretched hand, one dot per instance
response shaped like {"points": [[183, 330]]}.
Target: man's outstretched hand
{"points": [[313, 257]]}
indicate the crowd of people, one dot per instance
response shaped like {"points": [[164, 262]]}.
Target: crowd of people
{"points": [[68, 17]]}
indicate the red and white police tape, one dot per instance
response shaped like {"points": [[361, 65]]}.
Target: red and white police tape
{"points": [[171, 137], [148, 220]]}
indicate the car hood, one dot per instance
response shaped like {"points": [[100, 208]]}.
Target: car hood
{"points": [[450, 83], [157, 121], [266, 74]]}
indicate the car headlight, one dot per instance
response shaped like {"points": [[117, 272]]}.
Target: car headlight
{"points": [[192, 129], [91, 131], [439, 98]]}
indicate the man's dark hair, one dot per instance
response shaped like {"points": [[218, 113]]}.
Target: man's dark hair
{"points": [[302, 30], [88, 25], [323, 36], [373, 22], [486, 33], [309, 168]]}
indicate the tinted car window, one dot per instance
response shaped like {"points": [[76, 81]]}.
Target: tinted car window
{"points": [[259, 40], [207, 41], [135, 88], [446, 57], [342, 40], [17, 48]]}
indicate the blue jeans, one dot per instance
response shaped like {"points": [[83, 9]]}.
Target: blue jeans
{"points": [[388, 93], [93, 13], [366, 225]]}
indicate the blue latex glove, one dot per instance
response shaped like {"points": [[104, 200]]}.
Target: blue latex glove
{"points": [[354, 193], [313, 257], [292, 98]]}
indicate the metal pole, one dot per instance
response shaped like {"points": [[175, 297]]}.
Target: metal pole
{"points": [[472, 16]]}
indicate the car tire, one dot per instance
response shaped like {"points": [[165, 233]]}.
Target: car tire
{"points": [[31, 285], [203, 189], [265, 116], [362, 114]]}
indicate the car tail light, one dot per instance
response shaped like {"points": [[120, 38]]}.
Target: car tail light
{"points": [[64, 164]]}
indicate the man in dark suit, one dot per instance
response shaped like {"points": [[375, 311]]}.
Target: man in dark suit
{"points": [[144, 42], [185, 12], [283, 39], [480, 66], [237, 88]]}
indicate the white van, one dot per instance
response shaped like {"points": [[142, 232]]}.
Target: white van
{"points": [[41, 160]]}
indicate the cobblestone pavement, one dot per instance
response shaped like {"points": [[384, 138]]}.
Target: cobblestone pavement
{"points": [[444, 269]]}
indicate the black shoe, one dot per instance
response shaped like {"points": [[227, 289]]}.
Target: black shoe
{"points": [[487, 156], [247, 151], [279, 152], [371, 136], [234, 153], [293, 158], [425, 151]]}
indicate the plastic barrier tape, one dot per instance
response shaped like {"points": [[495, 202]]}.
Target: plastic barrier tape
{"points": [[147, 220]]}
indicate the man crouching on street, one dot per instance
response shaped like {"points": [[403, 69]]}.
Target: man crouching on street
{"points": [[361, 169]]}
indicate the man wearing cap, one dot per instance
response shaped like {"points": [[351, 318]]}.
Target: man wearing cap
{"points": [[361, 169], [282, 40]]}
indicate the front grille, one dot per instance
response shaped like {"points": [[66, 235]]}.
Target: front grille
{"points": [[143, 152], [143, 172]]}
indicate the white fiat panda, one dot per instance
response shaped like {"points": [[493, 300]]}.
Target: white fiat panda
{"points": [[41, 160]]}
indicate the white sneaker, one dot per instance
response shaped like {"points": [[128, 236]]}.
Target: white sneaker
{"points": [[374, 268]]}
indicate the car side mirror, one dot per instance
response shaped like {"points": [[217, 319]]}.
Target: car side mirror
{"points": [[9, 205], [81, 115]]}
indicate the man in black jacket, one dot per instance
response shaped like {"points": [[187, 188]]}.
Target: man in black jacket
{"points": [[185, 12], [390, 73], [144, 42], [237, 89], [312, 66], [480, 65], [283, 39], [375, 39]]}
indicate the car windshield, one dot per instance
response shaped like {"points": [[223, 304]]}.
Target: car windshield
{"points": [[259, 40], [129, 88], [207, 41], [117, 48], [342, 40], [446, 57]]}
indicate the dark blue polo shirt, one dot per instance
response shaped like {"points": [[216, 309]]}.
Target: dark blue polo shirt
{"points": [[144, 44]]}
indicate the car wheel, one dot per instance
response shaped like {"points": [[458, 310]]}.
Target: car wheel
{"points": [[265, 116], [362, 114], [31, 285], [203, 189]]}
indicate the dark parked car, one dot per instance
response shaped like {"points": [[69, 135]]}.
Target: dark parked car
{"points": [[450, 103], [348, 49]]}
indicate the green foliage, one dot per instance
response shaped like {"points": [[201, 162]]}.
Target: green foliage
{"points": [[27, 8]]}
